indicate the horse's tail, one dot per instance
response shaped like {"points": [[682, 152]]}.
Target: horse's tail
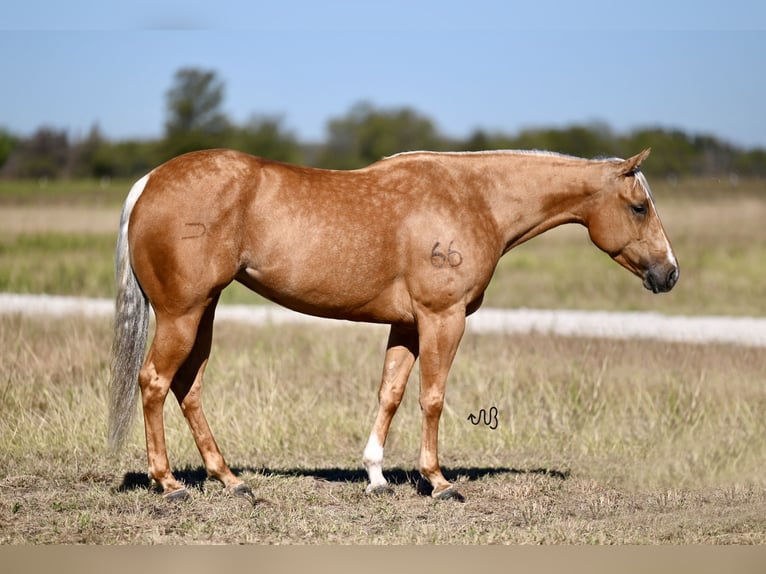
{"points": [[131, 325]]}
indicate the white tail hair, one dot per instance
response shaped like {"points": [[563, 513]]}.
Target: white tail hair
{"points": [[131, 325]]}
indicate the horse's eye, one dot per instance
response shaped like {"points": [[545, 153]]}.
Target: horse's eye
{"points": [[639, 209]]}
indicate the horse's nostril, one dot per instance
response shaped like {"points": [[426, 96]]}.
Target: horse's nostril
{"points": [[658, 283], [672, 277]]}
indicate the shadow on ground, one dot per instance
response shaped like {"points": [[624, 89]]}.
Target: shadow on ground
{"points": [[196, 477]]}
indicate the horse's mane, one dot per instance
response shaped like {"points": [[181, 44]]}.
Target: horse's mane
{"points": [[485, 152]]}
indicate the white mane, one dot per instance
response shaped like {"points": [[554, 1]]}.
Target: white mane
{"points": [[485, 152]]}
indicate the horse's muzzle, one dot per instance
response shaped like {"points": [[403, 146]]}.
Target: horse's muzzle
{"points": [[661, 280]]}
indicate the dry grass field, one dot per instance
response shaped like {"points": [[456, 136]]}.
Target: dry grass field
{"points": [[597, 441], [601, 442]]}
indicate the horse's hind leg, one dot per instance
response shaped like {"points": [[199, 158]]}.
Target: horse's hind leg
{"points": [[173, 342], [187, 387]]}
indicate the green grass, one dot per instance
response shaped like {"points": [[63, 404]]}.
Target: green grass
{"points": [[597, 442], [64, 192], [57, 263]]}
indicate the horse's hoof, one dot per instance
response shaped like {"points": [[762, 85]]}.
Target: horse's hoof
{"points": [[379, 490], [243, 491], [450, 493], [177, 495]]}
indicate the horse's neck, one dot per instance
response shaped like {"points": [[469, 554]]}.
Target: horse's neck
{"points": [[533, 194]]}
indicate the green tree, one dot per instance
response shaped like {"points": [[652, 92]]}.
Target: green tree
{"points": [[367, 134], [8, 143], [673, 152], [195, 119], [45, 154], [126, 158], [586, 141], [266, 137], [84, 152], [194, 102], [481, 140], [751, 163]]}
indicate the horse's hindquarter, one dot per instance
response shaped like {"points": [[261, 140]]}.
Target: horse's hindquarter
{"points": [[185, 228]]}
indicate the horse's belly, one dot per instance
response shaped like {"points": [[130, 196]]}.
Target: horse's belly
{"points": [[349, 294]]}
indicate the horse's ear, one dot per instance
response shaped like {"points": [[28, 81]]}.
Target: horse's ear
{"points": [[630, 165]]}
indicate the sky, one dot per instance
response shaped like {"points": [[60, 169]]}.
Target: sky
{"points": [[482, 64]]}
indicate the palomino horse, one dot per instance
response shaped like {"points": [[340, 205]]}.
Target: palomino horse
{"points": [[411, 241]]}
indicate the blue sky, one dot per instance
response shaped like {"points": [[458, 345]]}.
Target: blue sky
{"points": [[496, 65]]}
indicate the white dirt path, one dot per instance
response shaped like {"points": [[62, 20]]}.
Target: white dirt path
{"points": [[749, 331]]}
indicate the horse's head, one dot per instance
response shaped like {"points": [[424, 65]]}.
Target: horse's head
{"points": [[622, 220]]}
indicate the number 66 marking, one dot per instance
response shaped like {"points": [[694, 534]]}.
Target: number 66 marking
{"points": [[439, 259]]}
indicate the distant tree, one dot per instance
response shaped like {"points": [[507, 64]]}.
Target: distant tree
{"points": [[672, 151], [45, 154], [712, 156], [367, 134], [480, 140], [127, 158], [751, 163], [194, 102], [83, 153], [594, 140], [8, 143], [195, 119], [266, 137]]}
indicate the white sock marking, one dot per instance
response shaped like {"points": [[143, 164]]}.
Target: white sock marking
{"points": [[373, 462]]}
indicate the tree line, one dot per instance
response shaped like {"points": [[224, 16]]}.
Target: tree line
{"points": [[366, 133]]}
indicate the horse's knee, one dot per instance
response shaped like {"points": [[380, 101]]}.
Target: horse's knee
{"points": [[389, 403], [432, 403]]}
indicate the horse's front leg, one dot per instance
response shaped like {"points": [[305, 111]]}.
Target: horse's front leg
{"points": [[440, 335], [401, 352]]}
